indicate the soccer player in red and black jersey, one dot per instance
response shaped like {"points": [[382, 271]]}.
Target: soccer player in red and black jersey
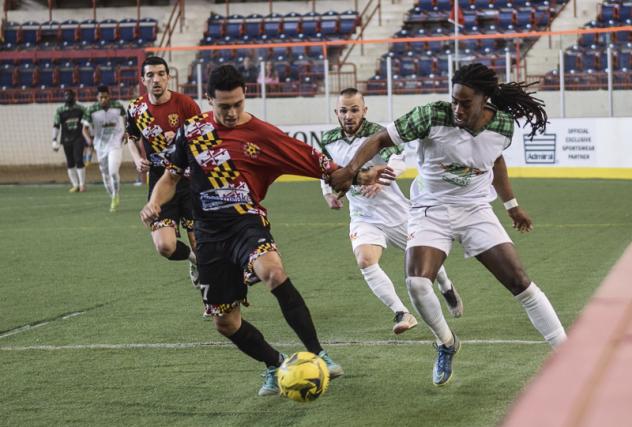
{"points": [[153, 119], [233, 158]]}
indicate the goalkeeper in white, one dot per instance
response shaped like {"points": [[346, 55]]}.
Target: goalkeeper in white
{"points": [[379, 214]]}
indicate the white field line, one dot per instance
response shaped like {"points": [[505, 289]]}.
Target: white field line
{"points": [[178, 346], [30, 327]]}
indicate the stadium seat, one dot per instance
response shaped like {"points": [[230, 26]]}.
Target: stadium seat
{"points": [[30, 33], [88, 31], [66, 74], [311, 24], [12, 33], [292, 24], [50, 32], [253, 25], [625, 13], [624, 61], [234, 26], [69, 31], [215, 27], [85, 73], [572, 62], [108, 30], [47, 75], [272, 25], [349, 20], [128, 30], [107, 75], [426, 66], [506, 19], [542, 17], [483, 4], [609, 13], [7, 76], [408, 65], [329, 23], [26, 76], [148, 29], [470, 21], [525, 18]]}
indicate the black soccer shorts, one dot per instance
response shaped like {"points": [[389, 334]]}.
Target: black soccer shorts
{"points": [[225, 262]]}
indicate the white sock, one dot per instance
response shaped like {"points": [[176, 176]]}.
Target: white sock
{"points": [[116, 183], [429, 308], [192, 257], [107, 183], [542, 314], [81, 173], [72, 175], [443, 281], [382, 287]]}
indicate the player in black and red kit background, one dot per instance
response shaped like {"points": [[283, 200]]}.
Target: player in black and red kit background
{"points": [[154, 118], [233, 158]]}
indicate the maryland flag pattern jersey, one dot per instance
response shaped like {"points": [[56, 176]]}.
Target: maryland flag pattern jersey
{"points": [[232, 168], [152, 122]]}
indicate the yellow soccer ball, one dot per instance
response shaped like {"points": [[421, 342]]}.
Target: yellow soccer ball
{"points": [[303, 377]]}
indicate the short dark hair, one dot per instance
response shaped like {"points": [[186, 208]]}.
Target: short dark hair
{"points": [[103, 89], [350, 91], [154, 60], [70, 91], [225, 77]]}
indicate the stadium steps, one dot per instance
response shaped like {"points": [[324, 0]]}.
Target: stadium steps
{"points": [[542, 58], [392, 18]]}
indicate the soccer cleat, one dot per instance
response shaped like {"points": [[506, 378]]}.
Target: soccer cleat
{"points": [[454, 302], [73, 189], [403, 322], [207, 314], [335, 370], [442, 371], [116, 201], [194, 274], [270, 385]]}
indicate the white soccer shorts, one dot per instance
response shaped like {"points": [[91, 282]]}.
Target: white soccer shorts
{"points": [[364, 233], [476, 227]]}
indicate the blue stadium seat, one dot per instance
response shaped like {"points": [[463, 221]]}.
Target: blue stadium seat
{"points": [[470, 21], [30, 32], [408, 65], [609, 13], [7, 74], [50, 31], [272, 25], [215, 27], [85, 73], [292, 24], [235, 26], [443, 5], [572, 62], [253, 26], [506, 19], [542, 16], [329, 23], [128, 30], [26, 76], [88, 31], [588, 40], [349, 20], [525, 18], [148, 29], [426, 66], [624, 61], [311, 24], [107, 75], [69, 31], [47, 75], [483, 4], [108, 30], [625, 13], [12, 33]]}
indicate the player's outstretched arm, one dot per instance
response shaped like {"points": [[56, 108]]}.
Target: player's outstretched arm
{"points": [[520, 220], [164, 190], [343, 178]]}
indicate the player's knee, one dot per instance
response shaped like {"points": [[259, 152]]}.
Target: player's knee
{"points": [[165, 249], [418, 286], [364, 261], [225, 325], [273, 276]]}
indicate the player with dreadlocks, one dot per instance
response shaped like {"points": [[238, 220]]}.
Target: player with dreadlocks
{"points": [[462, 167]]}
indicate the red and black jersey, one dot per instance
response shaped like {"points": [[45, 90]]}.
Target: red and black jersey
{"points": [[150, 122], [232, 168]]}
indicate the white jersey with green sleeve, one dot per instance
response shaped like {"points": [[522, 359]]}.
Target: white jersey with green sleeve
{"points": [[389, 206], [455, 165], [108, 126]]}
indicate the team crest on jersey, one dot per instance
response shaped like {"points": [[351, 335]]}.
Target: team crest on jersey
{"points": [[174, 120], [353, 236], [411, 236], [252, 150], [459, 174]]}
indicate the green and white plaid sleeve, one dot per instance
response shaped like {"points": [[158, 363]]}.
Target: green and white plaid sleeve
{"points": [[57, 118], [412, 126], [87, 114]]}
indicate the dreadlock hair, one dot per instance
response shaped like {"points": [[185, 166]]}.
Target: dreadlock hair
{"points": [[511, 97]]}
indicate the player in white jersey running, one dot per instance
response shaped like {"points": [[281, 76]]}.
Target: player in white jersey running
{"points": [[460, 159], [104, 129], [379, 214]]}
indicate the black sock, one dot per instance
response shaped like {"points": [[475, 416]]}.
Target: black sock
{"points": [[249, 340], [297, 315], [181, 253]]}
